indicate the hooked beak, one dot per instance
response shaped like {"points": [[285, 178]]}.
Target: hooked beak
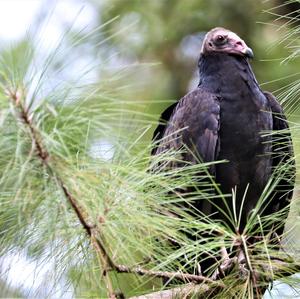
{"points": [[249, 53], [240, 47]]}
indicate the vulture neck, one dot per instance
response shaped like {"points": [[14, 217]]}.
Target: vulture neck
{"points": [[221, 72]]}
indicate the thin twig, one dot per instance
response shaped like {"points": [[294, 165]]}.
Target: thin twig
{"points": [[185, 291], [162, 274], [106, 261], [103, 261], [44, 156], [199, 282]]}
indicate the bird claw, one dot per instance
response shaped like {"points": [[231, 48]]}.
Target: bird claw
{"points": [[224, 268], [243, 271]]}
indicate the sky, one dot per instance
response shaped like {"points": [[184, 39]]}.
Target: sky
{"points": [[16, 16]]}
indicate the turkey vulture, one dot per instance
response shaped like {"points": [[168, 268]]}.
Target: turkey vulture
{"points": [[228, 117]]}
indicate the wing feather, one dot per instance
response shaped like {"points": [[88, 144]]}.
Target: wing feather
{"points": [[282, 155], [192, 122]]}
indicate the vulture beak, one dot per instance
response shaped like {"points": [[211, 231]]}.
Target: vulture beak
{"points": [[239, 46], [249, 53]]}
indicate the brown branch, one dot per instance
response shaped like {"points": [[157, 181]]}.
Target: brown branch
{"points": [[44, 156], [104, 258], [185, 291], [203, 290], [163, 274], [281, 266]]}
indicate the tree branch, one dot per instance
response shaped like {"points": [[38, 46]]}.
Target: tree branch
{"points": [[196, 283], [162, 274], [185, 291], [44, 156], [283, 268]]}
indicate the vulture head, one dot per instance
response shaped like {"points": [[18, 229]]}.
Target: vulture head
{"points": [[221, 40]]}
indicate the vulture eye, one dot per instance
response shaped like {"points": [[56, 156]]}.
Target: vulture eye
{"points": [[221, 39]]}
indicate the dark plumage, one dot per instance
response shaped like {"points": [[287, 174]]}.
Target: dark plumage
{"points": [[225, 118]]}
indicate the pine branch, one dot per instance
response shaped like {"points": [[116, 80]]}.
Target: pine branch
{"points": [[104, 258], [186, 291], [44, 157], [190, 290], [197, 283], [166, 274]]}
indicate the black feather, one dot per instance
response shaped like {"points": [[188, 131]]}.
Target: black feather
{"points": [[226, 118]]}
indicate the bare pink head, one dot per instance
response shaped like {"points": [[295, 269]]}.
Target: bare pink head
{"points": [[222, 40]]}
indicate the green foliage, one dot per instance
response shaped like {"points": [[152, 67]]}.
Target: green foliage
{"points": [[91, 140], [170, 33]]}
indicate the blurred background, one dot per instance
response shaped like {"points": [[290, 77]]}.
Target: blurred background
{"points": [[156, 43], [146, 52]]}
